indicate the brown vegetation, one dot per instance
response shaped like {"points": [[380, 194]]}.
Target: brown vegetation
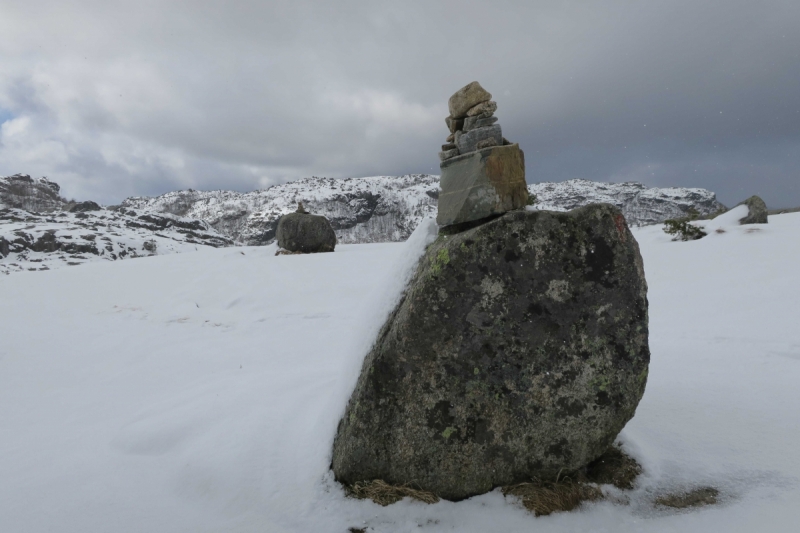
{"points": [[385, 494], [542, 497], [694, 498]]}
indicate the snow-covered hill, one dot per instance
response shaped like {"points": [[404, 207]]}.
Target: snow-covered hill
{"points": [[388, 208], [640, 205], [376, 209], [30, 241], [40, 230], [200, 392]]}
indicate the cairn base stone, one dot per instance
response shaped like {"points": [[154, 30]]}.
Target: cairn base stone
{"points": [[301, 232], [518, 350], [481, 184]]}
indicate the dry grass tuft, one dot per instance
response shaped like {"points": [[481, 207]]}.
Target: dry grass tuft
{"points": [[694, 498], [614, 467], [286, 252], [545, 497], [385, 494]]}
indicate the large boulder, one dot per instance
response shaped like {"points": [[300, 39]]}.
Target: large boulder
{"points": [[758, 211], [518, 350], [82, 207], [482, 184], [306, 233]]}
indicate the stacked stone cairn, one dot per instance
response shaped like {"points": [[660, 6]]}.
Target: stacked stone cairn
{"points": [[519, 349], [483, 174]]}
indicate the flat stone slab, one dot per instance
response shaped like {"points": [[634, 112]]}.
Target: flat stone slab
{"points": [[468, 140], [480, 184]]}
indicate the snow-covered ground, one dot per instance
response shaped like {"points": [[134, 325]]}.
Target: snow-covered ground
{"points": [[200, 392]]}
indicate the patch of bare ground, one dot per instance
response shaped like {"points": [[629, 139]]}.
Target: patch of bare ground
{"points": [[614, 467], [699, 497], [546, 497]]}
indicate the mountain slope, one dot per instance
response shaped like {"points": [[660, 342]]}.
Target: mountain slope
{"points": [[387, 208]]}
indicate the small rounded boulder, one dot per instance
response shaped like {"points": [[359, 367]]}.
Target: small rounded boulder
{"points": [[305, 233]]}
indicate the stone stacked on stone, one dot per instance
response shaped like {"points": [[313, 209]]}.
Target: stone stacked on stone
{"points": [[483, 174], [302, 232]]}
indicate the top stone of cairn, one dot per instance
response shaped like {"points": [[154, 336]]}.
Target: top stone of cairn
{"points": [[466, 98]]}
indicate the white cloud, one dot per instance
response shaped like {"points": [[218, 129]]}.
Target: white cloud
{"points": [[120, 98]]}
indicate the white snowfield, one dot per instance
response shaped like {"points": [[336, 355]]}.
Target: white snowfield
{"points": [[200, 392]]}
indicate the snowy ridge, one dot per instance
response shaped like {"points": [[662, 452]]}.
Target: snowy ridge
{"points": [[32, 241], [374, 209], [641, 205], [388, 208]]}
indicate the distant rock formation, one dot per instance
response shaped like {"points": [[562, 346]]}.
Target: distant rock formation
{"points": [[40, 230], [641, 205], [40, 195], [388, 208], [36, 241], [378, 209]]}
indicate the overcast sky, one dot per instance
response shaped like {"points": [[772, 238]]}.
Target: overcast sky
{"points": [[113, 99]]}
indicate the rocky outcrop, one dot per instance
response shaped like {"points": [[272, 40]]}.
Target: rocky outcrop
{"points": [[305, 233], [82, 207], [388, 208], [37, 241], [518, 351], [757, 211], [640, 205], [40, 195], [377, 209]]}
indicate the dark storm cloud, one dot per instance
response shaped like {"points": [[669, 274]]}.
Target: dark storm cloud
{"points": [[114, 99]]}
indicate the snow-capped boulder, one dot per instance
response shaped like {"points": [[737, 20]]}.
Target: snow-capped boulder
{"points": [[757, 211], [519, 351]]}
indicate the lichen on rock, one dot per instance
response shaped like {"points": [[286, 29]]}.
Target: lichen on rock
{"points": [[519, 350]]}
